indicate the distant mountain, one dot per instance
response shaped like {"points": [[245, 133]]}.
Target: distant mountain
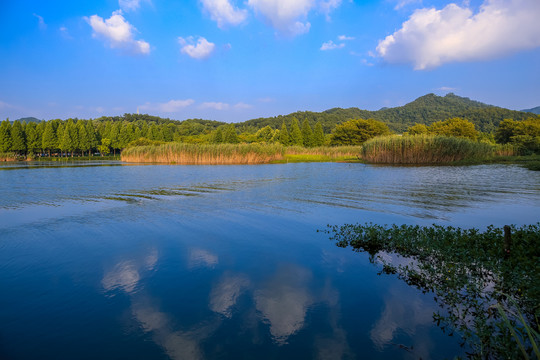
{"points": [[535, 110], [29, 119], [426, 109]]}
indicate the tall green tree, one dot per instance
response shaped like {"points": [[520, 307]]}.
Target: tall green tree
{"points": [[318, 135], [5, 136], [33, 138], [49, 139], [265, 134], [307, 134], [114, 136], [296, 134], [18, 138], [284, 135], [84, 140], [92, 136], [230, 136], [357, 131], [217, 136]]}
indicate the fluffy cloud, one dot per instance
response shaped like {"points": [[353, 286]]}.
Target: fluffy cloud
{"points": [[128, 5], [118, 33], [329, 5], [215, 105], [168, 107], [330, 45], [345, 38], [433, 37], [285, 15], [199, 50], [224, 13]]}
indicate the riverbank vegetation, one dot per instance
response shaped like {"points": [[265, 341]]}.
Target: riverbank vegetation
{"points": [[447, 141], [487, 283]]}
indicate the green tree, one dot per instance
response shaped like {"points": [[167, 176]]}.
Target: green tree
{"points": [[105, 146], [92, 136], [265, 134], [18, 138], [5, 136], [284, 135], [49, 139], [84, 140], [166, 133], [296, 134], [307, 134], [524, 134], [114, 136], [318, 135], [33, 138], [356, 132], [230, 136], [417, 129], [456, 127], [217, 137]]}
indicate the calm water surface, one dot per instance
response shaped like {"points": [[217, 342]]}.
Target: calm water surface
{"points": [[117, 261]]}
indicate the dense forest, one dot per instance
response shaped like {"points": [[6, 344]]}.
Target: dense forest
{"points": [[427, 114]]}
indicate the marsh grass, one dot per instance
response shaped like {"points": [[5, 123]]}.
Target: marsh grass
{"points": [[207, 154], [428, 149]]}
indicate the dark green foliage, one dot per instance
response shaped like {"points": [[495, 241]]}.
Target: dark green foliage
{"points": [[295, 136], [471, 274], [307, 134], [424, 110], [230, 136], [318, 135], [5, 136], [265, 134], [49, 140], [284, 135], [33, 137], [356, 132], [29, 120], [523, 134], [18, 138], [217, 137]]}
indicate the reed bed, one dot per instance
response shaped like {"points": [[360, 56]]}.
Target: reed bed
{"points": [[209, 154], [425, 149], [331, 152]]}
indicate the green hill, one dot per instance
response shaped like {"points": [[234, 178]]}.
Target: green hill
{"points": [[426, 109], [535, 110], [29, 119]]}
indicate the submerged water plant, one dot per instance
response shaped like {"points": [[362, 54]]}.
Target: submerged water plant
{"points": [[486, 282]]}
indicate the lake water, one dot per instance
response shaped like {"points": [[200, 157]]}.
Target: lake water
{"points": [[115, 261]]}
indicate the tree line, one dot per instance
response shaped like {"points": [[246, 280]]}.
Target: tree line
{"points": [[74, 137]]}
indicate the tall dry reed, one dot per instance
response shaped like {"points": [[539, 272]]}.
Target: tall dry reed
{"points": [[209, 154], [327, 151], [424, 149]]}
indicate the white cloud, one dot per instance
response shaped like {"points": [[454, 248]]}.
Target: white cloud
{"points": [[285, 15], [41, 22], [224, 13], [200, 50], [345, 38], [330, 45], [402, 3], [118, 33], [446, 88], [242, 105], [65, 32], [215, 105], [329, 5], [168, 107], [433, 37], [131, 5]]}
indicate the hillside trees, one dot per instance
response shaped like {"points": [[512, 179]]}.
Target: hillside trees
{"points": [[5, 136], [523, 134], [357, 131]]}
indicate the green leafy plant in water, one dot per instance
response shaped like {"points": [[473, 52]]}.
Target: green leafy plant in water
{"points": [[488, 285]]}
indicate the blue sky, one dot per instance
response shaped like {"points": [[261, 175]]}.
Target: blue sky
{"points": [[234, 60]]}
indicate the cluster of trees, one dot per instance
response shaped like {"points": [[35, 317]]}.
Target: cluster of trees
{"points": [[523, 134], [456, 127], [112, 134], [77, 137]]}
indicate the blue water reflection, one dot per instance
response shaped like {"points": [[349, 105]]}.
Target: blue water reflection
{"points": [[201, 262]]}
